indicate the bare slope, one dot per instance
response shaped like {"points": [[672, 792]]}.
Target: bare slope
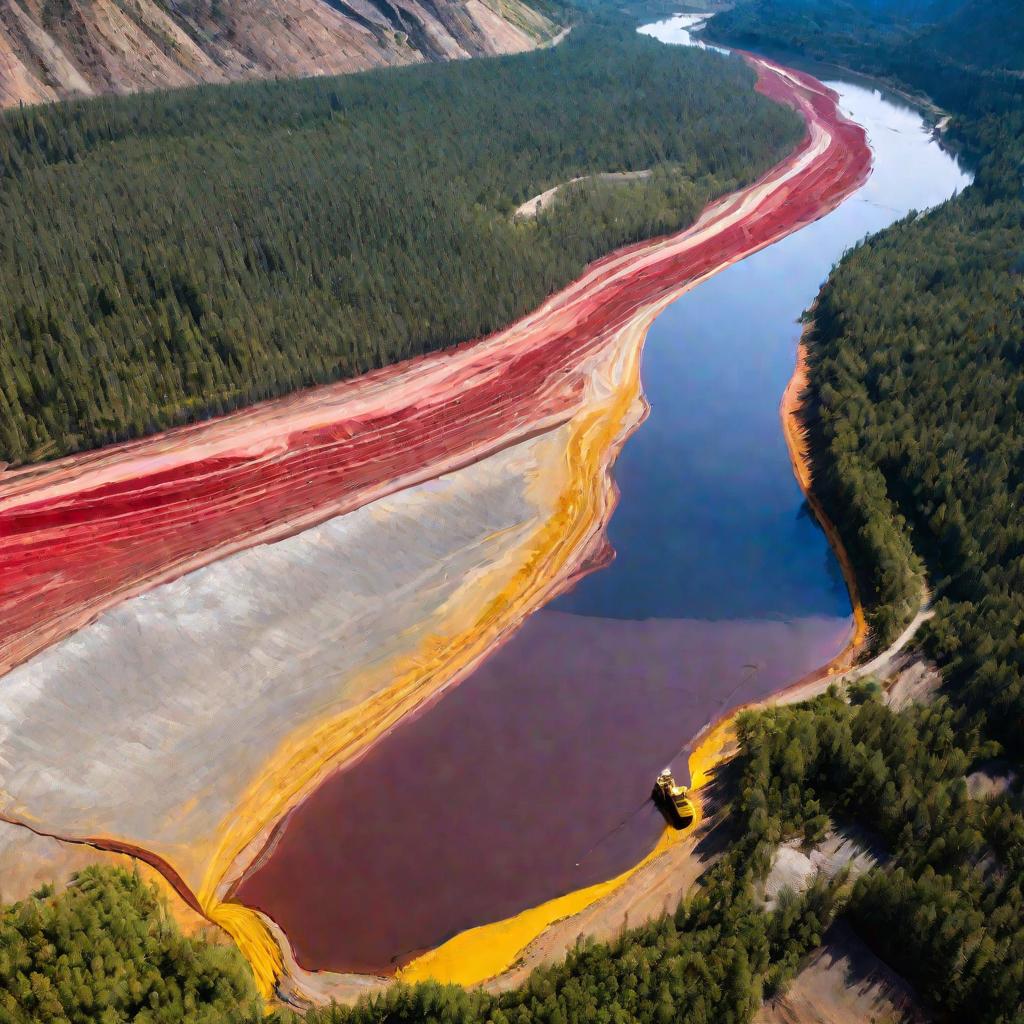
{"points": [[844, 983], [55, 49]]}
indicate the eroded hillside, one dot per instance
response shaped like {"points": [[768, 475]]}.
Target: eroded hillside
{"points": [[55, 49]]}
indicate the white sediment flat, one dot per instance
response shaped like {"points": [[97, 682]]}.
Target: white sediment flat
{"points": [[148, 724]]}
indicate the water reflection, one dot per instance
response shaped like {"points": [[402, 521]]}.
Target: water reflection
{"points": [[680, 29]]}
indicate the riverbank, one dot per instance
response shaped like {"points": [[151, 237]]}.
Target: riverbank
{"points": [[791, 411], [251, 470]]}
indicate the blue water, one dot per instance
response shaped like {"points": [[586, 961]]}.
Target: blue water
{"points": [[723, 590], [711, 523]]}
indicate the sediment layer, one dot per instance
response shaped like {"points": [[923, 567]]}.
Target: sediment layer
{"points": [[103, 46], [83, 533], [86, 534], [181, 693]]}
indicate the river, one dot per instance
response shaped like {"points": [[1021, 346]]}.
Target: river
{"points": [[531, 778]]}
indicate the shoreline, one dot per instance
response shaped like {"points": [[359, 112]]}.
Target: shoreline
{"points": [[790, 410], [670, 255], [490, 950]]}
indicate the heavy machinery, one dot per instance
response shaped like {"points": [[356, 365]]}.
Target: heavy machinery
{"points": [[673, 801]]}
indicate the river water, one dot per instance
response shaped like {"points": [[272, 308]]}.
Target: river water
{"points": [[531, 778]]}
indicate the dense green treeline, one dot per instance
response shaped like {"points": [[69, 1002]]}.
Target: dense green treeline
{"points": [[969, 35], [946, 905], [917, 387], [905, 44], [916, 412], [169, 256], [106, 950], [921, 408]]}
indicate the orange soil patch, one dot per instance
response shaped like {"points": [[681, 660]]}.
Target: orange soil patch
{"points": [[799, 455]]}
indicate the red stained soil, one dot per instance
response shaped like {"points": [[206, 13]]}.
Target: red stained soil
{"points": [[81, 534]]}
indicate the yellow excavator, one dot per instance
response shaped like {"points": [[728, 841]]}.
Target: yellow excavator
{"points": [[673, 801]]}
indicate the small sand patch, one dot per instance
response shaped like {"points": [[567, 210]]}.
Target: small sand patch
{"points": [[536, 205], [844, 983], [796, 868], [991, 781], [915, 680]]}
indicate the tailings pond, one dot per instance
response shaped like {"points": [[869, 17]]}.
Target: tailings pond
{"points": [[532, 778]]}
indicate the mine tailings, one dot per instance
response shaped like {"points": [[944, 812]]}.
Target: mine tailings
{"points": [[530, 779]]}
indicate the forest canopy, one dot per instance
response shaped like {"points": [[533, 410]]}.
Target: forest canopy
{"points": [[170, 256], [916, 411], [106, 950]]}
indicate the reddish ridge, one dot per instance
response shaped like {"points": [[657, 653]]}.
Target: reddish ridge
{"points": [[83, 533]]}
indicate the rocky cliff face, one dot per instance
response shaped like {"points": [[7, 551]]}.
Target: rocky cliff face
{"points": [[55, 49]]}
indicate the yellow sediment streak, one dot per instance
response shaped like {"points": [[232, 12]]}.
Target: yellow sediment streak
{"points": [[481, 953], [253, 939], [306, 758], [708, 754]]}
